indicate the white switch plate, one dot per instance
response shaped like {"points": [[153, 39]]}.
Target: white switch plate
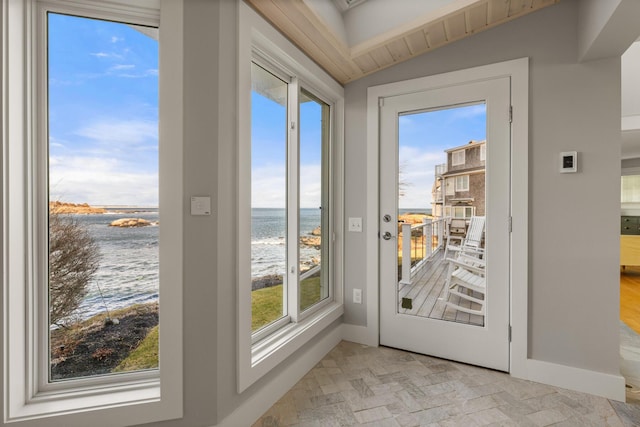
{"points": [[357, 296], [355, 224], [201, 205]]}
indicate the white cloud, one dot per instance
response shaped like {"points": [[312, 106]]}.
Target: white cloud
{"points": [[115, 39], [126, 132], [141, 75], [310, 186], [111, 166], [100, 180], [268, 187], [123, 67], [417, 172], [56, 143]]}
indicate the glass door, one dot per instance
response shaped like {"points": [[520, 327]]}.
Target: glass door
{"points": [[444, 222]]}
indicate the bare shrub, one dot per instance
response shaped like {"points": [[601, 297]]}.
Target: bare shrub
{"points": [[73, 260]]}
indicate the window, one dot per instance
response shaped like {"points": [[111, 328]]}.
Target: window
{"points": [[459, 211], [314, 203], [450, 189], [103, 197], [458, 158], [462, 183], [289, 198], [483, 152], [630, 189], [66, 149], [289, 201]]}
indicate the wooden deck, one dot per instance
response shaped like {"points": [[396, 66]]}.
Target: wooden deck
{"points": [[426, 292]]}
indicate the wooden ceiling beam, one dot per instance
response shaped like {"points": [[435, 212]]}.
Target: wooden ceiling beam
{"points": [[298, 22]]}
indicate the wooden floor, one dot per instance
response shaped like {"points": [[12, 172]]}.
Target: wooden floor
{"points": [[630, 297], [427, 294]]}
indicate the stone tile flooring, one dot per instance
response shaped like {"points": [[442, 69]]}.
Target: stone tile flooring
{"points": [[356, 385]]}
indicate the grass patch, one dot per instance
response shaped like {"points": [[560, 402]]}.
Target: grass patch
{"points": [[309, 292], [266, 306], [266, 303], [145, 356]]}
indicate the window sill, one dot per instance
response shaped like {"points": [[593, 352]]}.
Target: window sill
{"points": [[274, 349], [75, 407]]}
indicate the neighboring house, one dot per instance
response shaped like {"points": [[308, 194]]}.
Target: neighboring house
{"points": [[459, 185]]}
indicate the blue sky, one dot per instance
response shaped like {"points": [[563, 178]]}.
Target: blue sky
{"points": [[103, 113], [103, 126], [423, 137], [268, 157]]}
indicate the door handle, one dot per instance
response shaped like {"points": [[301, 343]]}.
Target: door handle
{"points": [[387, 235]]}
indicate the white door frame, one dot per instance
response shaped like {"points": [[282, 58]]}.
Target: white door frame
{"points": [[518, 71], [486, 345]]}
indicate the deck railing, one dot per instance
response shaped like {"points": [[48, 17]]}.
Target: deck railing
{"points": [[419, 243]]}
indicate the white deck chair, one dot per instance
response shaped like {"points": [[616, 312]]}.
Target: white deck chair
{"points": [[471, 242], [466, 279]]}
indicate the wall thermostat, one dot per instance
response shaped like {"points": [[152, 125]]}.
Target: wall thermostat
{"points": [[569, 162], [200, 205]]}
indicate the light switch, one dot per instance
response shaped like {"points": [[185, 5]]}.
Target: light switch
{"points": [[200, 205], [355, 224]]}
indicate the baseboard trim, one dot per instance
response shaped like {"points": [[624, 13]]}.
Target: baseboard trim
{"points": [[592, 382], [269, 393], [360, 334]]}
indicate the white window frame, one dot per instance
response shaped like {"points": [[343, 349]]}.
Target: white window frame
{"points": [[483, 152], [458, 157], [450, 211], [291, 286], [459, 183], [449, 186], [259, 40], [124, 399]]}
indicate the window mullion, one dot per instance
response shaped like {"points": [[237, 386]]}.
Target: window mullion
{"points": [[293, 202]]}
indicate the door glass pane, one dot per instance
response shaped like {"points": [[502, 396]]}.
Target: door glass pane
{"points": [[103, 229], [313, 215], [441, 213], [268, 197]]}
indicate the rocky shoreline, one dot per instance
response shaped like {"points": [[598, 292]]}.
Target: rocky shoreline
{"points": [[131, 222], [74, 208]]}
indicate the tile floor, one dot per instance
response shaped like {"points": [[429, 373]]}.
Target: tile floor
{"points": [[356, 385]]}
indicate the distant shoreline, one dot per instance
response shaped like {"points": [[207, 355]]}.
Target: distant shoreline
{"points": [[86, 209]]}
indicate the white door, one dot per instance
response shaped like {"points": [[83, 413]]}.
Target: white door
{"points": [[446, 151]]}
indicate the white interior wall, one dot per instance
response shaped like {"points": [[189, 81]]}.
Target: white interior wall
{"points": [[573, 280], [573, 269], [631, 82]]}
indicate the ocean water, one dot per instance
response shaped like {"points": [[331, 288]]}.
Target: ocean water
{"points": [[129, 262], [268, 240]]}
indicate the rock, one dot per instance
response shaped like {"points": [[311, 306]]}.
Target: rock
{"points": [[311, 241], [130, 222], [316, 231], [266, 281]]}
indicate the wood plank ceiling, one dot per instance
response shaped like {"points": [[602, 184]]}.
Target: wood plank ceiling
{"points": [[303, 27]]}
